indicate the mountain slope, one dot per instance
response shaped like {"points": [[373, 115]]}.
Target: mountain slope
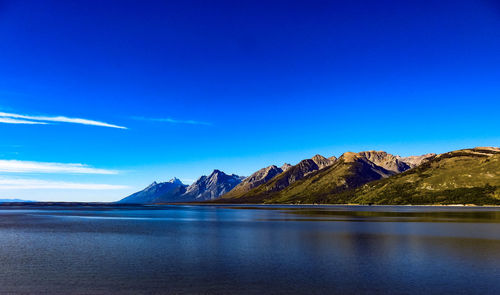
{"points": [[288, 175], [259, 177], [285, 167], [156, 192], [293, 174], [470, 176], [414, 161], [205, 188], [300, 185], [387, 161], [322, 162], [211, 187]]}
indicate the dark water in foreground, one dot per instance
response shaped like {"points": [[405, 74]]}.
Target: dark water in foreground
{"points": [[251, 250]]}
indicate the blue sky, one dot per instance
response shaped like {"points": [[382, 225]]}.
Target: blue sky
{"points": [[233, 85]]}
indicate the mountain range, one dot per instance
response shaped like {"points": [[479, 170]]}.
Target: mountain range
{"points": [[469, 176], [15, 201], [309, 183], [157, 192], [204, 189], [369, 177]]}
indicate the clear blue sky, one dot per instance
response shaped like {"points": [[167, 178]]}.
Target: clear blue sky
{"points": [[234, 85]]}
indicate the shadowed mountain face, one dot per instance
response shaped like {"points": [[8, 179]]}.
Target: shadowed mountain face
{"points": [[282, 180], [293, 174], [261, 176], [205, 188], [470, 176], [458, 177], [308, 182], [211, 187], [157, 192], [287, 174]]}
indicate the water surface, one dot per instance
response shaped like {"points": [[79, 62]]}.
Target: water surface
{"points": [[249, 249]]}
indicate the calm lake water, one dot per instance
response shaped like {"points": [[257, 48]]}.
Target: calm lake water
{"points": [[249, 250]]}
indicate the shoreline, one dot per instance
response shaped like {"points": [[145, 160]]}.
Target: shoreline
{"points": [[107, 204], [331, 205]]}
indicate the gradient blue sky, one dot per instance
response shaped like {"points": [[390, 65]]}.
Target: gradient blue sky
{"points": [[234, 85]]}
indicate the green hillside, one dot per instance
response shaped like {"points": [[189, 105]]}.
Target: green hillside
{"points": [[349, 171], [470, 176]]}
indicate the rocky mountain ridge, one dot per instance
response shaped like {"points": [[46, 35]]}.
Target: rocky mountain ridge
{"points": [[156, 192], [364, 177], [307, 177], [205, 188], [259, 177], [468, 176], [211, 187]]}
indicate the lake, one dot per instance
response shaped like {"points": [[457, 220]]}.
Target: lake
{"points": [[230, 249]]}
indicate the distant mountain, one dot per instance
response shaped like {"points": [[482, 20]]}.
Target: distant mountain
{"points": [[285, 167], [211, 187], [157, 192], [306, 182], [205, 188], [261, 176], [392, 163], [15, 201], [322, 162], [469, 176], [293, 174], [414, 161], [280, 181]]}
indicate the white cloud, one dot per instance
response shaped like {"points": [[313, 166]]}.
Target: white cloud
{"points": [[20, 183], [26, 119], [17, 121], [15, 166], [173, 121]]}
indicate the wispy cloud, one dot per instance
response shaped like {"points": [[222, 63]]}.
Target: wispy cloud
{"points": [[17, 121], [15, 166], [173, 121], [12, 118], [24, 183]]}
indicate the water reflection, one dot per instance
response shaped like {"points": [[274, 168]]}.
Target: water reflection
{"points": [[250, 249]]}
